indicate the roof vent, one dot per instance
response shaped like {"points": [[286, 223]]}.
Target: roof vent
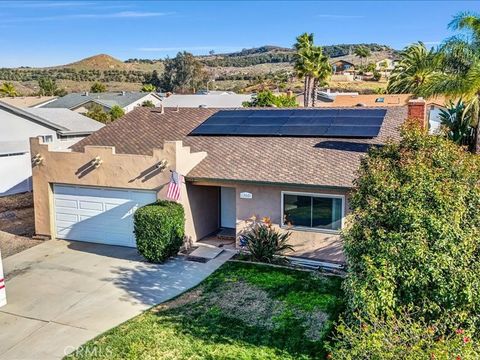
{"points": [[123, 93], [360, 105], [85, 93]]}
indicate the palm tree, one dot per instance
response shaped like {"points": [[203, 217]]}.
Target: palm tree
{"points": [[416, 67], [460, 65], [363, 53], [321, 70], [312, 65], [457, 121], [8, 89], [302, 64]]}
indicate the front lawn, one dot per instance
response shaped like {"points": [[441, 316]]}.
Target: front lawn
{"points": [[242, 311]]}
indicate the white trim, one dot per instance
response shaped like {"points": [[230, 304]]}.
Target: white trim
{"points": [[320, 195]]}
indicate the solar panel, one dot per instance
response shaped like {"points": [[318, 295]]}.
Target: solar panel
{"points": [[359, 123]]}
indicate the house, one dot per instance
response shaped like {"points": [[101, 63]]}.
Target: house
{"points": [[58, 128], [342, 66], [234, 166], [209, 99], [385, 66], [434, 105], [81, 102]]}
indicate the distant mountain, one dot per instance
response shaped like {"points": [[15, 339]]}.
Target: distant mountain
{"points": [[98, 62]]}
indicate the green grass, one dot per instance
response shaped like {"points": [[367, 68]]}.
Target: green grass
{"points": [[242, 311]]}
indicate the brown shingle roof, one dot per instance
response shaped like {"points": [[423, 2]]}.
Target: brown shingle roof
{"points": [[288, 160]]}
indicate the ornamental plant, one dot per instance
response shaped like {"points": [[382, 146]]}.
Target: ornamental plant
{"points": [[413, 239], [159, 230], [263, 241]]}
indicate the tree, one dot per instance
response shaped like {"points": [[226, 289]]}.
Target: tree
{"points": [[116, 112], [416, 67], [8, 89], [302, 65], [362, 52], [412, 240], [153, 79], [97, 112], [312, 65], [98, 87], [267, 99], [148, 103], [457, 123], [149, 88], [48, 86], [184, 73]]}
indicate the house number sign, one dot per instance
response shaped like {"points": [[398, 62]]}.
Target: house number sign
{"points": [[245, 195]]}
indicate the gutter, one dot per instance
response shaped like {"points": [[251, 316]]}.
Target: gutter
{"points": [[270, 183]]}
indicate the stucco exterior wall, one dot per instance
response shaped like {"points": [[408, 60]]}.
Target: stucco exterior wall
{"points": [[266, 201], [116, 170]]}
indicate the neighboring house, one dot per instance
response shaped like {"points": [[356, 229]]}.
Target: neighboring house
{"points": [[207, 100], [328, 99], [342, 66], [59, 128], [28, 101], [81, 102], [235, 166], [385, 65]]}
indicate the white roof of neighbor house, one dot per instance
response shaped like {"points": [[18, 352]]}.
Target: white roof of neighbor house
{"points": [[28, 101], [223, 100], [72, 122], [14, 147]]}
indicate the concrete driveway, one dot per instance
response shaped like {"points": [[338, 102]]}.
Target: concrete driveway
{"points": [[61, 294]]}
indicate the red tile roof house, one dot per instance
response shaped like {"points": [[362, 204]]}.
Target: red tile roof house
{"points": [[90, 193]]}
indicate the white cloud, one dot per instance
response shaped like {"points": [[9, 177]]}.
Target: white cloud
{"points": [[122, 14], [432, 42]]}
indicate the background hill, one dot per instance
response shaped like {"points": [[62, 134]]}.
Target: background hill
{"points": [[231, 71]]}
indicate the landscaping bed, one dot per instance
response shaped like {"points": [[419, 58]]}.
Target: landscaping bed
{"points": [[17, 225], [242, 311]]}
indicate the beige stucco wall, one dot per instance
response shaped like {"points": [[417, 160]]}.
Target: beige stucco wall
{"points": [[267, 201], [116, 170]]}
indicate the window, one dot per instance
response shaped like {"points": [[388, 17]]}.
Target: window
{"points": [[321, 212], [380, 100], [46, 138]]}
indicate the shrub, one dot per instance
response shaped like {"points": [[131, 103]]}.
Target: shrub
{"points": [[159, 230], [267, 99], [98, 87], [148, 103], [401, 337], [116, 112], [263, 241], [149, 88], [413, 239]]}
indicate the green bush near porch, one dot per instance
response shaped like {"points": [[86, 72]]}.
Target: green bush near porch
{"points": [[159, 230]]}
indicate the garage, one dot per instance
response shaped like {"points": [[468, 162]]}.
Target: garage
{"points": [[99, 215]]}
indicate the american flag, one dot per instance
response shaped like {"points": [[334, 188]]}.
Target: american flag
{"points": [[174, 186]]}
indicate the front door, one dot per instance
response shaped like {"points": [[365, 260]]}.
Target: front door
{"points": [[227, 208]]}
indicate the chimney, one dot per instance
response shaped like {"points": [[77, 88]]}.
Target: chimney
{"points": [[417, 109]]}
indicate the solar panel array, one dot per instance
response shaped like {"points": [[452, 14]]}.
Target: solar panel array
{"points": [[350, 123]]}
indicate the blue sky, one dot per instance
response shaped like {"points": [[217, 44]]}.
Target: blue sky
{"points": [[42, 33]]}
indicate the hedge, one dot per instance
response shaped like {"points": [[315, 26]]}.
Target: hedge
{"points": [[159, 230]]}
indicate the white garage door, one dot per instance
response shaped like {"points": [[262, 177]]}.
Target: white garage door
{"points": [[100, 215]]}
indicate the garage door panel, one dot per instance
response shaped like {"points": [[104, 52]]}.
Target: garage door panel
{"points": [[65, 203], [98, 215], [91, 205]]}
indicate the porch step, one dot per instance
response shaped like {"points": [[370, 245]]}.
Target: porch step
{"points": [[226, 234], [204, 253]]}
